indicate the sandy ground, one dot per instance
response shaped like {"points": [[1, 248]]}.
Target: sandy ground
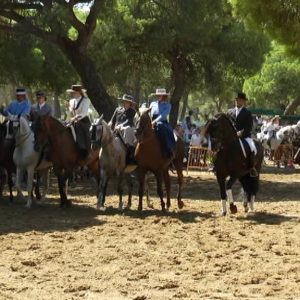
{"points": [[80, 253]]}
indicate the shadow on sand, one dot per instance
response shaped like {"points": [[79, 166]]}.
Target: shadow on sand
{"points": [[268, 218]]}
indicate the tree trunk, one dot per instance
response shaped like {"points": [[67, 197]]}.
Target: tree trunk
{"points": [[137, 88], [291, 108], [184, 104], [179, 67], [56, 107], [91, 80]]}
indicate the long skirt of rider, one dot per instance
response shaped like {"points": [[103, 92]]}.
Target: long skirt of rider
{"points": [[82, 128], [165, 134]]}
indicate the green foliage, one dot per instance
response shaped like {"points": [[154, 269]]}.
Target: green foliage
{"points": [[280, 19], [278, 82]]}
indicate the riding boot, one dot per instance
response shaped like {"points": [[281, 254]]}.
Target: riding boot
{"points": [[130, 159], [253, 171]]}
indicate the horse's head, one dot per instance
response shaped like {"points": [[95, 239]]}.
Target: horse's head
{"points": [[143, 123], [101, 133], [41, 136], [218, 132], [17, 126], [96, 132]]}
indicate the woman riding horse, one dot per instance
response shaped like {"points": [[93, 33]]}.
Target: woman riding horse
{"points": [[150, 154]]}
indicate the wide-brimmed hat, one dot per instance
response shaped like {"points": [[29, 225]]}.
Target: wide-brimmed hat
{"points": [[40, 94], [241, 95], [76, 88], [161, 92], [127, 98], [20, 91]]}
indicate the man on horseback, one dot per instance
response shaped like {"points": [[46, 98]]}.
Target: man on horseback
{"points": [[79, 110], [41, 108], [160, 110], [122, 121], [21, 106], [242, 118]]}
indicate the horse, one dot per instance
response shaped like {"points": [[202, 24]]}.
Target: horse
{"points": [[112, 163], [7, 146], [65, 154], [149, 157], [230, 161], [26, 158]]}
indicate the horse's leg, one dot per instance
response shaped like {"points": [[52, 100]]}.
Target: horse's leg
{"points": [[130, 187], [62, 178], [120, 191], [10, 184], [103, 182], [159, 179], [167, 181], [180, 183], [141, 178], [146, 189], [30, 174], [37, 186], [232, 206], [221, 182], [19, 177]]}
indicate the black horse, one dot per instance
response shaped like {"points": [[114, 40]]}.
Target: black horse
{"points": [[7, 146], [230, 161]]}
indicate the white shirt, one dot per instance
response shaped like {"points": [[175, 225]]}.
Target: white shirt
{"points": [[195, 140], [238, 110], [42, 104], [83, 109]]}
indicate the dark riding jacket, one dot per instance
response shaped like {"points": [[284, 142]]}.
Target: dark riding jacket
{"points": [[122, 115], [243, 121]]}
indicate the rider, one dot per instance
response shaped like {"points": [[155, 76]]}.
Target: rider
{"points": [[160, 110], [243, 123], [123, 120], [21, 106], [79, 110], [41, 108]]}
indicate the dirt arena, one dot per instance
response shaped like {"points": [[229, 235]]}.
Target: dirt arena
{"points": [[80, 253]]}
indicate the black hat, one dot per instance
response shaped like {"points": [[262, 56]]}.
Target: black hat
{"points": [[40, 94], [241, 95], [20, 91]]}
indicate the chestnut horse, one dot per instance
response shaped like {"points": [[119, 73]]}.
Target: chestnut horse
{"points": [[65, 155], [149, 157], [230, 161]]}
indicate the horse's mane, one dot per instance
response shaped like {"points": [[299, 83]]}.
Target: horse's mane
{"points": [[224, 115]]}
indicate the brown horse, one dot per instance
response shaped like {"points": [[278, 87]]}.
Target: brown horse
{"points": [[149, 157], [230, 161], [7, 146], [64, 152]]}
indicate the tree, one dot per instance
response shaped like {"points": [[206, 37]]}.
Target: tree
{"points": [[277, 85], [52, 21], [279, 18]]}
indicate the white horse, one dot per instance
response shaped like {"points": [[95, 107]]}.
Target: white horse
{"points": [[27, 159], [112, 163]]}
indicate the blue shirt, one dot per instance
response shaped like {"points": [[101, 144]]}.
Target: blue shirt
{"points": [[160, 110], [16, 108]]}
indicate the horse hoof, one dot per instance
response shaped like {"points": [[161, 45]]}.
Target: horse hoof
{"points": [[180, 204], [223, 213], [233, 208], [140, 208], [101, 208]]}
